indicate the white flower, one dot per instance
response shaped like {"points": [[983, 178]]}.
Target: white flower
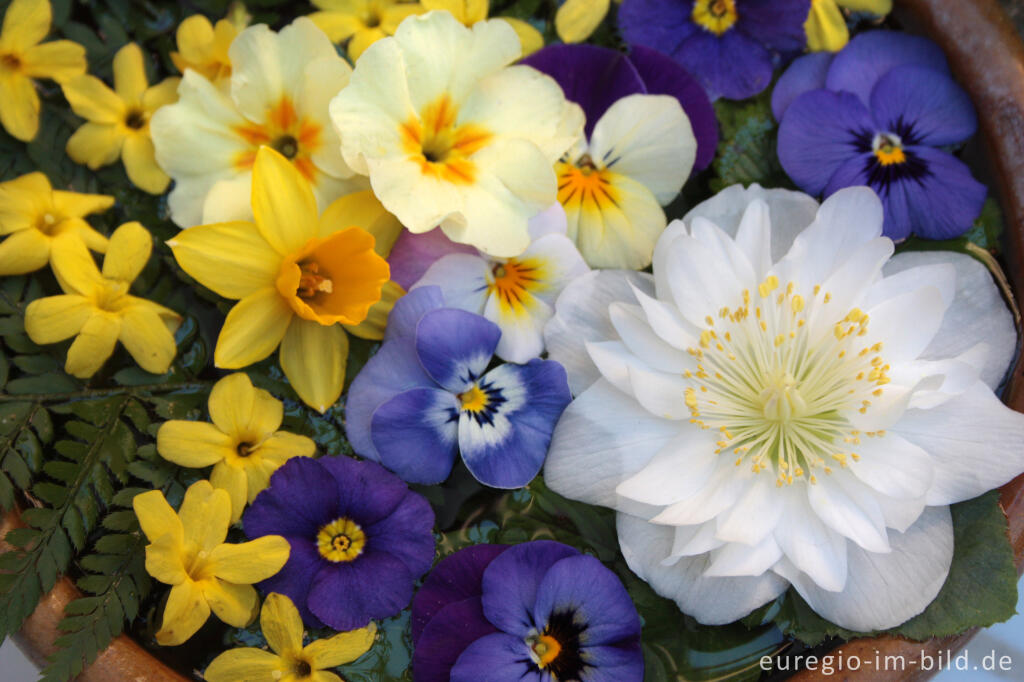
{"points": [[517, 294], [450, 135], [281, 84], [788, 405]]}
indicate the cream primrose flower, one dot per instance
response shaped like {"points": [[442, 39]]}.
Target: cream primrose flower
{"points": [[777, 411], [281, 84], [456, 137]]}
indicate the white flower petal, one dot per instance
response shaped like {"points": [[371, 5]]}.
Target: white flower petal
{"points": [[848, 511], [893, 466], [809, 545], [703, 230], [521, 326], [631, 324], [667, 323], [694, 540], [322, 79], [754, 236], [613, 360], [463, 280], [661, 394], [906, 324], [742, 560], [900, 514], [721, 492], [678, 470], [754, 515], [557, 261], [229, 200]]}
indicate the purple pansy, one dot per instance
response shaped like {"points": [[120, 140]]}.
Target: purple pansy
{"points": [[359, 539], [427, 396], [596, 77], [727, 45], [880, 113], [533, 612]]}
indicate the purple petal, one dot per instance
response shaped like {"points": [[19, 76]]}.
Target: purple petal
{"points": [[778, 24], [367, 492], [455, 627], [615, 663], [871, 55], [295, 577], [661, 75], [511, 582], [456, 577], [820, 132], [297, 502], [732, 65], [499, 656], [593, 77], [657, 24], [409, 309], [408, 533], [455, 346], [924, 106], [412, 254], [348, 595], [803, 75], [415, 434]]}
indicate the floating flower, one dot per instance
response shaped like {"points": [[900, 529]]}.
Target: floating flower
{"points": [[469, 12], [33, 215], [727, 45], [187, 551], [427, 396], [826, 26], [576, 20], [280, 87], [98, 310], [640, 151], [468, 145], [535, 611], [296, 275], [287, 658], [804, 419], [361, 22], [23, 56], [203, 47], [360, 539], [517, 294], [882, 114], [117, 121], [243, 444]]}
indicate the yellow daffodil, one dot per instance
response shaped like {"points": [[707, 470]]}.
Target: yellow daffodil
{"points": [[826, 26], [288, 660], [361, 22], [97, 309], [203, 47], [33, 215], [242, 444], [187, 551], [23, 57], [576, 20], [469, 12], [296, 275], [118, 120]]}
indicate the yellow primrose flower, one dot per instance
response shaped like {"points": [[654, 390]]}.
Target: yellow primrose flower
{"points": [[826, 26], [97, 309], [576, 20], [203, 47], [33, 215], [23, 57], [242, 444], [361, 22], [187, 551], [288, 660], [469, 12], [295, 274], [118, 120]]}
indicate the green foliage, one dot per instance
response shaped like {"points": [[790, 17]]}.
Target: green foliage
{"points": [[746, 149], [987, 231]]}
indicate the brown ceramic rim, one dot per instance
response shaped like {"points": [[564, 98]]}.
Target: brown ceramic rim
{"points": [[987, 56]]}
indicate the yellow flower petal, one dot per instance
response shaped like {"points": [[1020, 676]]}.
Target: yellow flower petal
{"points": [[156, 518], [194, 38], [250, 562], [247, 413], [74, 266], [362, 40], [93, 345], [377, 319], [338, 26], [128, 252], [78, 228], [281, 624], [165, 560], [26, 23], [232, 259], [340, 649], [467, 12], [529, 37], [193, 444], [244, 664], [364, 210], [313, 358], [96, 144], [826, 27], [23, 252], [163, 93], [78, 205], [282, 446], [205, 513], [93, 100], [879, 7], [185, 613], [283, 202], [577, 19], [130, 74], [19, 107], [140, 163], [252, 330], [324, 676], [147, 338], [234, 604], [55, 318], [21, 200], [391, 17], [233, 480], [59, 60]]}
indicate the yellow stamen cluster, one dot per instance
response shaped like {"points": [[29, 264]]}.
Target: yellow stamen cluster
{"points": [[342, 540]]}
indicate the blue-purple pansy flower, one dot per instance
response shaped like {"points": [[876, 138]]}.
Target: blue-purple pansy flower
{"points": [[427, 396], [534, 612], [882, 112], [728, 45], [359, 539]]}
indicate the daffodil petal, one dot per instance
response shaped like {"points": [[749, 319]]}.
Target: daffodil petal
{"points": [[93, 100], [164, 560], [341, 648], [282, 202], [19, 107], [140, 164], [96, 144], [376, 321], [93, 345], [130, 73], [234, 604], [205, 513], [242, 410], [186, 611], [55, 318], [233, 480], [23, 252], [577, 19], [250, 562], [59, 60], [364, 210], [193, 444], [146, 337], [127, 252], [282, 625], [252, 330], [244, 664], [313, 357], [232, 259], [156, 518]]}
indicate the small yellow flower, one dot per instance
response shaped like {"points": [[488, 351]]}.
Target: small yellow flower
{"points": [[469, 12], [242, 444], [576, 20], [118, 120], [33, 215], [288, 660], [187, 551], [361, 22], [296, 275], [23, 57], [203, 47], [97, 309], [826, 25]]}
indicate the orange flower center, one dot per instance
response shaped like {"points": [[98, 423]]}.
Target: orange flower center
{"points": [[583, 187], [513, 281], [441, 145], [10, 62], [546, 648], [295, 137]]}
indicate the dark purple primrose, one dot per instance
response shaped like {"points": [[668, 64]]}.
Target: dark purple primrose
{"points": [[532, 612], [882, 113]]}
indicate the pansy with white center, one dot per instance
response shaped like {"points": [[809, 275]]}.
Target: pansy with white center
{"points": [[780, 410], [456, 137]]}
